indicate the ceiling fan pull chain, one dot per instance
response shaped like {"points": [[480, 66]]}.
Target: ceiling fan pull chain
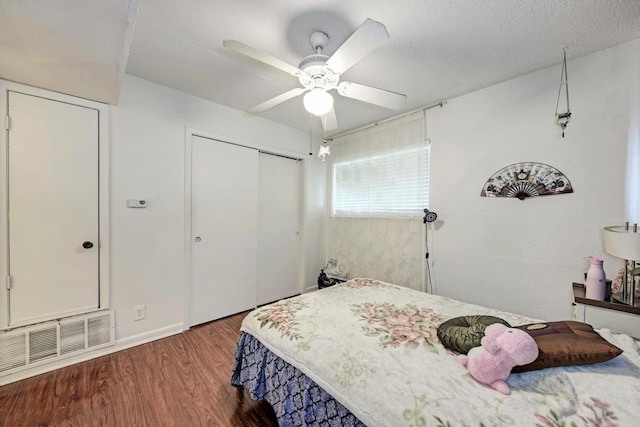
{"points": [[310, 135]]}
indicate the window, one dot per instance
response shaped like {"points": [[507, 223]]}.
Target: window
{"points": [[388, 184]]}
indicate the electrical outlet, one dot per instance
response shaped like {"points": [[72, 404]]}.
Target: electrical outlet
{"points": [[139, 312]]}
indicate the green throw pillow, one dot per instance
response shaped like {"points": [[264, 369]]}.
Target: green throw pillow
{"points": [[463, 333]]}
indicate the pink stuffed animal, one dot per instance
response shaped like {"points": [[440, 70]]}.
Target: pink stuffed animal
{"points": [[501, 349]]}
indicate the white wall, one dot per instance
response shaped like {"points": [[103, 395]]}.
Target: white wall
{"points": [[522, 256], [316, 207], [147, 161]]}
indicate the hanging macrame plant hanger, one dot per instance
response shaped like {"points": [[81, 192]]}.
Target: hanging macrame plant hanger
{"points": [[562, 119]]}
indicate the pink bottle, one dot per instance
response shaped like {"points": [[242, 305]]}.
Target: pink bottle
{"points": [[596, 280]]}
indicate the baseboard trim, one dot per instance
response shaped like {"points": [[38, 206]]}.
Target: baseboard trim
{"points": [[119, 345], [146, 337]]}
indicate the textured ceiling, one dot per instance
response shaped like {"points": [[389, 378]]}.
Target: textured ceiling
{"points": [[437, 49], [78, 47]]}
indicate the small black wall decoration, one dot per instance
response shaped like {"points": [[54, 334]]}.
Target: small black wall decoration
{"points": [[526, 179]]}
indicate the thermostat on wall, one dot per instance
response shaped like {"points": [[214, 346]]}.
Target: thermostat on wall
{"points": [[136, 203]]}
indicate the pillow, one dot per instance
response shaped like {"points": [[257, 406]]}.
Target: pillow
{"points": [[463, 333], [567, 343]]}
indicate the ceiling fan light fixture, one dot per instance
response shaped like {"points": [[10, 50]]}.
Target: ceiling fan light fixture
{"points": [[319, 73], [318, 102]]}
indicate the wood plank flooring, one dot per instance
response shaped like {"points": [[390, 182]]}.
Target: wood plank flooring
{"points": [[182, 380]]}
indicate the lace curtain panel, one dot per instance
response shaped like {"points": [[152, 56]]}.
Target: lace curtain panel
{"points": [[378, 178]]}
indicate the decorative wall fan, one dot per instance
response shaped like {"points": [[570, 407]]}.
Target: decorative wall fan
{"points": [[319, 73], [526, 179]]}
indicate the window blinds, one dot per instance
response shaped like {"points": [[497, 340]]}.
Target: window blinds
{"points": [[381, 172], [388, 184]]}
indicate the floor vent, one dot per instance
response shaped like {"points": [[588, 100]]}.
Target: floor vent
{"points": [[29, 346]]}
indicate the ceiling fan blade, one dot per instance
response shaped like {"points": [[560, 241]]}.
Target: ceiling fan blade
{"points": [[261, 56], [329, 120], [363, 41], [277, 100], [372, 95]]}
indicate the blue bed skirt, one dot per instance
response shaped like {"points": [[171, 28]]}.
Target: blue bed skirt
{"points": [[294, 397]]}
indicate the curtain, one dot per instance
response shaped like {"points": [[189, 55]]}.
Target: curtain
{"points": [[378, 183]]}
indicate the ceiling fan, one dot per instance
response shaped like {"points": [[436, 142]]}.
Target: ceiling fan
{"points": [[319, 73]]}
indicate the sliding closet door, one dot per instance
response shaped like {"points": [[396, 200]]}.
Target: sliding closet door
{"points": [[224, 229], [279, 243]]}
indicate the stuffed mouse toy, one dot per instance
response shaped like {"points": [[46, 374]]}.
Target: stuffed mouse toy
{"points": [[500, 349]]}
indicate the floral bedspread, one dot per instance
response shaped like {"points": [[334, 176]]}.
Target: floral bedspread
{"points": [[373, 347]]}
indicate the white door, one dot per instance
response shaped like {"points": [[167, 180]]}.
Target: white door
{"points": [[52, 208], [279, 243], [224, 229]]}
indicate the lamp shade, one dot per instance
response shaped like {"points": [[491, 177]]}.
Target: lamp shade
{"points": [[318, 102], [621, 243]]}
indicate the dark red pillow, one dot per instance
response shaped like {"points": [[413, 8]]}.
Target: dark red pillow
{"points": [[567, 343]]}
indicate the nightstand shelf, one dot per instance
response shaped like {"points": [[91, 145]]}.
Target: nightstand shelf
{"points": [[604, 314]]}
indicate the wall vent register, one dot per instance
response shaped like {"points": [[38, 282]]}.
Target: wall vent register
{"points": [[30, 346]]}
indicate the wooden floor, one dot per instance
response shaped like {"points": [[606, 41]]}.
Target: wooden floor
{"points": [[183, 380]]}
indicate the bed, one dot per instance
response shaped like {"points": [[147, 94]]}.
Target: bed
{"points": [[365, 352]]}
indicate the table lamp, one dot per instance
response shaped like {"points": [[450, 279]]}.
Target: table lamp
{"points": [[624, 242]]}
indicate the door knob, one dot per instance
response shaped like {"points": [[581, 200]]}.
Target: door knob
{"points": [[87, 245]]}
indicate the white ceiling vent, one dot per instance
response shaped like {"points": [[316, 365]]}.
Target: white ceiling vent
{"points": [[22, 348]]}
